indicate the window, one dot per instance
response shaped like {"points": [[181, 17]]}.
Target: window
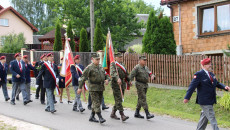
{"points": [[4, 22], [214, 19]]}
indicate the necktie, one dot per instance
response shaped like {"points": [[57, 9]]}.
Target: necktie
{"points": [[210, 77], [20, 66], [3, 66], [26, 65], [51, 65]]}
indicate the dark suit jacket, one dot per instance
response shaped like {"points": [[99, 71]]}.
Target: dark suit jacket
{"points": [[3, 73], [206, 90], [27, 75], [49, 81], [75, 74], [14, 69], [61, 84]]}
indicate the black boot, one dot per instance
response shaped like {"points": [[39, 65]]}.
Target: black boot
{"points": [[137, 114], [123, 117], [101, 119], [148, 115], [92, 118]]}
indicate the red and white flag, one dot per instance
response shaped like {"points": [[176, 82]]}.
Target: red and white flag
{"points": [[111, 52], [66, 64]]}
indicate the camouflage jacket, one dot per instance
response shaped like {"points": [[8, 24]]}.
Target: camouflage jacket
{"points": [[141, 74], [122, 75], [96, 77]]}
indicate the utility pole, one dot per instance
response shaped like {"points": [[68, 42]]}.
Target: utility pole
{"points": [[92, 22]]}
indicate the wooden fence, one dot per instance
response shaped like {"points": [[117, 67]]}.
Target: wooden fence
{"points": [[179, 70]]}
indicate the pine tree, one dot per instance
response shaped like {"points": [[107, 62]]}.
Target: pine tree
{"points": [[70, 35], [84, 45], [58, 41], [98, 42]]}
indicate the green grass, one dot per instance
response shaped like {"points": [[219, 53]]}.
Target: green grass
{"points": [[165, 102], [4, 126]]}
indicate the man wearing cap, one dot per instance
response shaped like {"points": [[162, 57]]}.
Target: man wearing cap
{"points": [[17, 68], [77, 71], [96, 76], [3, 77], [28, 67], [119, 75], [40, 83], [142, 73], [49, 71], [206, 83]]}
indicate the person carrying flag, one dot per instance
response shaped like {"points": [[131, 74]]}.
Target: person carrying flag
{"points": [[119, 75], [96, 76], [49, 71], [76, 72]]}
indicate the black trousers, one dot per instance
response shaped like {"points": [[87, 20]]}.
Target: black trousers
{"points": [[43, 92]]}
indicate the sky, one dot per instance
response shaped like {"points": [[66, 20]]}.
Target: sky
{"points": [[156, 3]]}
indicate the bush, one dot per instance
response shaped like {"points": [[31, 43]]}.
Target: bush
{"points": [[57, 42], [13, 43], [84, 43], [99, 41], [225, 101], [135, 49]]}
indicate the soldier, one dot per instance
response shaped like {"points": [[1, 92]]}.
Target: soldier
{"points": [[206, 83], [117, 80], [141, 73], [96, 75], [3, 77], [17, 68], [76, 71], [50, 73], [28, 67]]}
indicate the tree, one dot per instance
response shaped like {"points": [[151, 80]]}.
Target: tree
{"points": [[13, 43], [84, 43], [70, 35], [58, 41], [99, 41], [117, 15], [141, 7]]}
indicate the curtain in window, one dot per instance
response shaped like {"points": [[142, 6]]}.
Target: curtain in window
{"points": [[223, 17], [208, 20]]}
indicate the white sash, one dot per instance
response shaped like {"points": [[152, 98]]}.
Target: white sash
{"points": [[80, 70]]}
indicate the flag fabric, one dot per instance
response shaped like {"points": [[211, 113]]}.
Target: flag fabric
{"points": [[109, 54], [66, 64]]}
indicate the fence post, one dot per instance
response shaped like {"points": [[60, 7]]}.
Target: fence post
{"points": [[22, 51], [101, 54], [32, 56]]}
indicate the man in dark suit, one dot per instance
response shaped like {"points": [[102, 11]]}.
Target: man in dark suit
{"points": [[206, 83], [3, 77], [50, 73], [28, 67], [17, 68], [38, 65], [76, 71]]}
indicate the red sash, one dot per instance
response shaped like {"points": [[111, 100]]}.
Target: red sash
{"points": [[125, 71], [80, 70]]}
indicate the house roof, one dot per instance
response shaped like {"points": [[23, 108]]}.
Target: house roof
{"points": [[3, 10], [35, 39], [51, 34], [165, 2]]}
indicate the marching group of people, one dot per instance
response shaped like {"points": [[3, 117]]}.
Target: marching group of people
{"points": [[47, 78]]}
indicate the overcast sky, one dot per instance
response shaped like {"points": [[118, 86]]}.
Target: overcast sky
{"points": [[156, 3]]}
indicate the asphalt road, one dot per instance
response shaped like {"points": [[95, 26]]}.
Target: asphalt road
{"points": [[66, 119]]}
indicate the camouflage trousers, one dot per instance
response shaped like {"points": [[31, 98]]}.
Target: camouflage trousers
{"points": [[118, 98], [141, 92], [96, 97]]}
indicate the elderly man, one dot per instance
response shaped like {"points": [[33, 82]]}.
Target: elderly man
{"points": [[206, 83], [3, 77]]}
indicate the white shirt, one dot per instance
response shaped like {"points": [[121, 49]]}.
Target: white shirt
{"points": [[206, 72], [20, 63]]}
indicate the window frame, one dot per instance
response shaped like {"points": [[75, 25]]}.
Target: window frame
{"points": [[7, 22], [200, 19]]}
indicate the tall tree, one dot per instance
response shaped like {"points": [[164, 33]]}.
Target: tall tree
{"points": [[84, 43], [141, 7], [57, 41], [99, 41], [71, 36]]}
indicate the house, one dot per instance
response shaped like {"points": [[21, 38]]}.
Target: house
{"points": [[13, 22], [47, 40], [138, 38], [200, 26]]}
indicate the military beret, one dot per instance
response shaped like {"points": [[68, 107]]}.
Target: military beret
{"points": [[206, 61], [142, 57], [50, 54], [118, 54], [17, 54], [42, 56], [76, 57], [95, 56], [2, 57], [25, 56]]}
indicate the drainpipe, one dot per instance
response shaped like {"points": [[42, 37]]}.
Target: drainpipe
{"points": [[179, 47]]}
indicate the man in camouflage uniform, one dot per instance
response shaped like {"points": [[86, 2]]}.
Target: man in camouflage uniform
{"points": [[141, 73], [118, 80], [96, 76]]}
